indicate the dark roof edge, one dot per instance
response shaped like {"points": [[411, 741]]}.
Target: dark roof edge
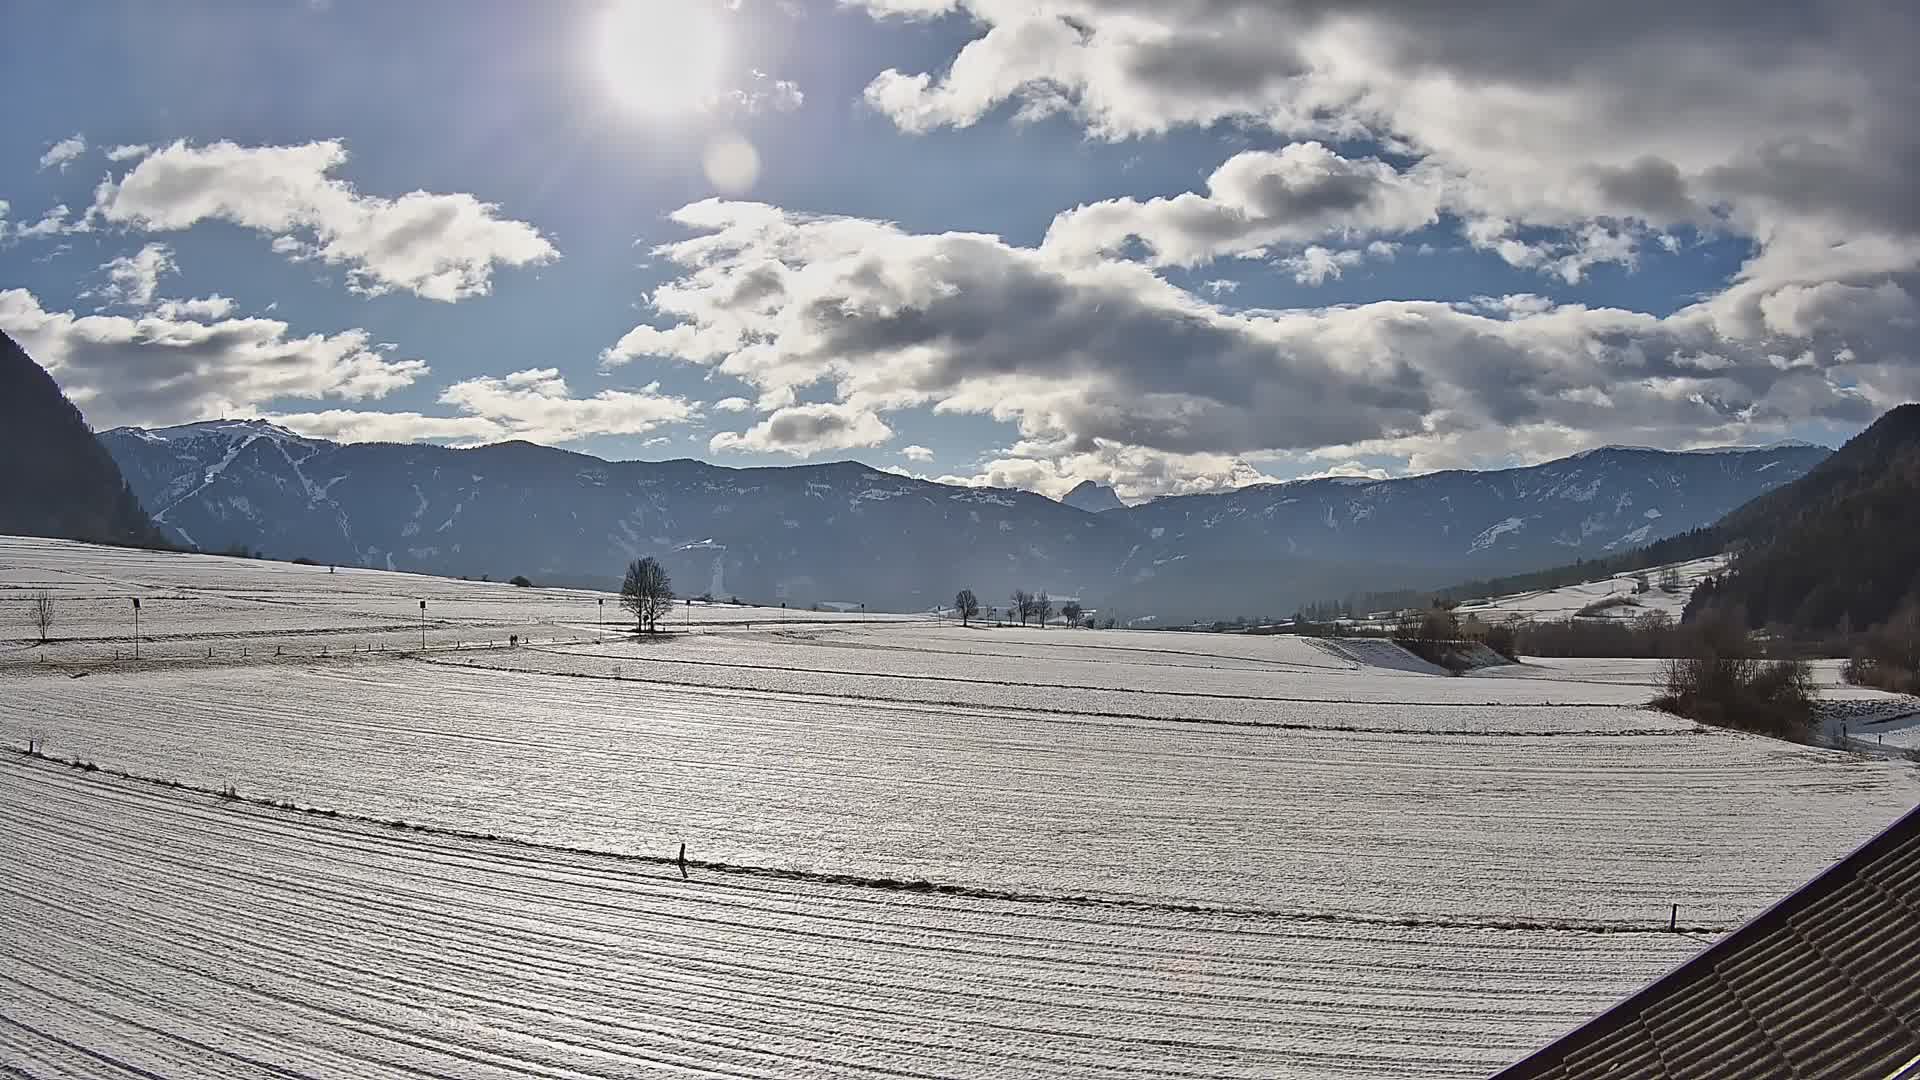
{"points": [[1906, 827]]}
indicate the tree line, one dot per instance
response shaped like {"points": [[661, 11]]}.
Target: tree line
{"points": [[1021, 605]]}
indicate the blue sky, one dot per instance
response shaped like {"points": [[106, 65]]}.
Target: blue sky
{"points": [[1331, 238]]}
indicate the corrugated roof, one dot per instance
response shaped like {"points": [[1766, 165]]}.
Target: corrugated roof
{"points": [[1826, 983]]}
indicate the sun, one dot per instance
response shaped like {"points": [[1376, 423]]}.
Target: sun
{"points": [[663, 58]]}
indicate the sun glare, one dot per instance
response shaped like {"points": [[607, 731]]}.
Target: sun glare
{"points": [[662, 57]]}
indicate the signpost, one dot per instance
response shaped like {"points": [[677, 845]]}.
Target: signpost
{"points": [[423, 626], [603, 620], [136, 628]]}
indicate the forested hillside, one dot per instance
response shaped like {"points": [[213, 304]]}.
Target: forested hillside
{"points": [[55, 478], [1837, 550]]}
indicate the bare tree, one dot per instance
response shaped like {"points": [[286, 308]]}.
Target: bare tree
{"points": [[647, 592], [1071, 611], [1042, 609], [1021, 605], [42, 613], [966, 605]]}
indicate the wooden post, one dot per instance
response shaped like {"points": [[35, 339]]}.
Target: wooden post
{"points": [[1673, 918], [683, 861]]}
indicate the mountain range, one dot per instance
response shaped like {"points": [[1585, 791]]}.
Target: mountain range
{"points": [[843, 532]]}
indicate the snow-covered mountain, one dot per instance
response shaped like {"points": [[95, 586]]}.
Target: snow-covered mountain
{"points": [[845, 532], [839, 532]]}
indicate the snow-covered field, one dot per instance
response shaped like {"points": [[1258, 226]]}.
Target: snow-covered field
{"points": [[1147, 854], [1618, 591], [269, 943], [192, 603]]}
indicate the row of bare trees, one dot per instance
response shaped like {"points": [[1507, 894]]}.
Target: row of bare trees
{"points": [[1022, 605]]}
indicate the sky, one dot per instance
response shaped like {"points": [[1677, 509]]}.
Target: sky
{"points": [[1167, 245]]}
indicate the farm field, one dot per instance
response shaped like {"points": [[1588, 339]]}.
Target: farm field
{"points": [[256, 955], [1618, 591], [190, 603], [916, 849]]}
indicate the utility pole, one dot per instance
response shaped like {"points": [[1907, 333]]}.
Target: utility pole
{"points": [[136, 628]]}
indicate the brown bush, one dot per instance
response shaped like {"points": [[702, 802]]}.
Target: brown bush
{"points": [[1724, 682]]}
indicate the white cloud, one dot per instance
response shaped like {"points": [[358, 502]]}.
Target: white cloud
{"points": [[732, 404], [359, 426], [52, 223], [1135, 473], [916, 453], [1255, 201], [211, 309], [1561, 116], [1222, 286], [1316, 264], [1105, 357], [129, 151], [160, 369], [132, 279], [1348, 469], [63, 152], [805, 430], [438, 246], [535, 405], [764, 93]]}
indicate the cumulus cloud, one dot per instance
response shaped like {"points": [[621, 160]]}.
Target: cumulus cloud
{"points": [[1257, 200], [129, 151], [732, 404], [916, 453], [1553, 115], [805, 430], [1316, 264], [208, 309], [438, 246], [164, 368], [132, 279], [61, 153], [1135, 473], [535, 404], [1104, 357]]}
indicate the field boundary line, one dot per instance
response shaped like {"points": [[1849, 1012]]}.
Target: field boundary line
{"points": [[36, 759]]}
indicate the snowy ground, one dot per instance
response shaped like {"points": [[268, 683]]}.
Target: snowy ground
{"points": [[271, 943], [1157, 853], [190, 604], [1568, 601]]}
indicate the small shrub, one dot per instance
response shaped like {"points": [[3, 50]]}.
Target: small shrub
{"points": [[520, 581]]}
